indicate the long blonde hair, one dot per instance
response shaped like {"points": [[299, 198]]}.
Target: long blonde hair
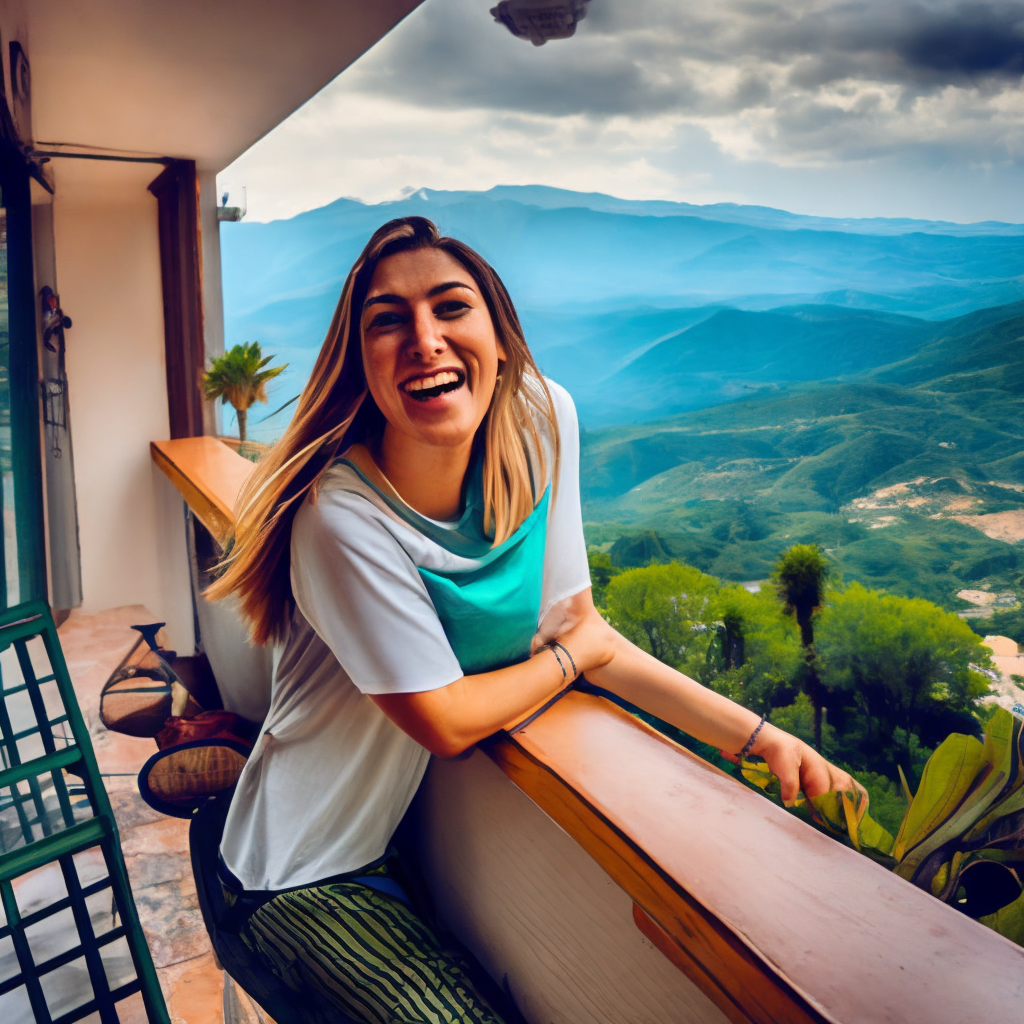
{"points": [[335, 410]]}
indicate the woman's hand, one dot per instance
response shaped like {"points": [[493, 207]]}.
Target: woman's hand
{"points": [[798, 766], [635, 675], [590, 640]]}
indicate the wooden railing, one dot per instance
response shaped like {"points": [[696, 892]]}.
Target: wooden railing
{"points": [[771, 920]]}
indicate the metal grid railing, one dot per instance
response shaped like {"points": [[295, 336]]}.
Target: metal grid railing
{"points": [[71, 944]]}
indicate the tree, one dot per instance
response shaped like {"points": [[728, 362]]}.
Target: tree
{"points": [[666, 610], [910, 666], [758, 653], [800, 578], [239, 377], [602, 571]]}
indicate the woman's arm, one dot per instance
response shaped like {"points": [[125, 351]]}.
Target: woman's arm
{"points": [[641, 679], [708, 716], [450, 719]]}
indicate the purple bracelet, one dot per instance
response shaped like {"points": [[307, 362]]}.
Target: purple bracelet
{"points": [[753, 736]]}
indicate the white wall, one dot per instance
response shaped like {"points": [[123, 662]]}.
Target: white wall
{"points": [[537, 910], [130, 519]]}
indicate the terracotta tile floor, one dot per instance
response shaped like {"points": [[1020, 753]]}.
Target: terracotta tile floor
{"points": [[155, 847]]}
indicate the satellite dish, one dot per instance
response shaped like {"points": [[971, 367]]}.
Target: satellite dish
{"points": [[540, 20]]}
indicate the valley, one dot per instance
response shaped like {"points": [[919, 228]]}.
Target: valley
{"points": [[746, 378]]}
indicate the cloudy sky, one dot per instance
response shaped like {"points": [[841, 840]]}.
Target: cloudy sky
{"points": [[858, 108]]}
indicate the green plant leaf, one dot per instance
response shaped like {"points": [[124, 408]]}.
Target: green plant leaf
{"points": [[962, 781], [905, 785], [281, 408], [948, 776], [238, 376], [1009, 921], [842, 815], [1004, 738]]}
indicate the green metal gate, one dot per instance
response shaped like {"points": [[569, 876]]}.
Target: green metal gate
{"points": [[81, 949]]}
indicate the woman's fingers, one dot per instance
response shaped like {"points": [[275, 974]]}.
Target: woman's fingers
{"points": [[799, 767], [820, 776], [843, 781], [815, 776], [785, 755], [789, 783]]}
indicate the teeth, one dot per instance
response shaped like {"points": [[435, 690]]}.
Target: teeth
{"points": [[423, 383]]}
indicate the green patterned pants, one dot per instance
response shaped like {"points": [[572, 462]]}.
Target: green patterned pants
{"points": [[351, 953]]}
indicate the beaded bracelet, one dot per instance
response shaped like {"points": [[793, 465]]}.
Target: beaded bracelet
{"points": [[753, 736]]}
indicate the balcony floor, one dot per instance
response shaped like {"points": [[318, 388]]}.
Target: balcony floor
{"points": [[155, 847]]}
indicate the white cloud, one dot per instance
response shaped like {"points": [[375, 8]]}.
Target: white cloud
{"points": [[860, 107]]}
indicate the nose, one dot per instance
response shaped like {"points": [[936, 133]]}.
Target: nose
{"points": [[426, 336]]}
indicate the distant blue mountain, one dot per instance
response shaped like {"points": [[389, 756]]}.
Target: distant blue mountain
{"points": [[593, 247], [753, 216], [722, 298]]}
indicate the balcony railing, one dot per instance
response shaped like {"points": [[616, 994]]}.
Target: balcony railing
{"points": [[610, 875]]}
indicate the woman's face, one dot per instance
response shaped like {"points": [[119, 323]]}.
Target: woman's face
{"points": [[429, 349]]}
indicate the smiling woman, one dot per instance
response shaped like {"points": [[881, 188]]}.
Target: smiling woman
{"points": [[415, 543], [431, 358]]}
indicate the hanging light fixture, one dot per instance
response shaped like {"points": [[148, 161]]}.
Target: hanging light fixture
{"points": [[540, 20]]}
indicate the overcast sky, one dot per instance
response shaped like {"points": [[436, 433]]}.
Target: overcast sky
{"points": [[859, 108]]}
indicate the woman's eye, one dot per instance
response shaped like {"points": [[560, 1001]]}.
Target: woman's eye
{"points": [[451, 308], [383, 320]]}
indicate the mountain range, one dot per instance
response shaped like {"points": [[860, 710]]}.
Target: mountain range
{"points": [[609, 280], [746, 378]]}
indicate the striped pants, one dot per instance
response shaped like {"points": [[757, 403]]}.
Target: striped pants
{"points": [[351, 953]]}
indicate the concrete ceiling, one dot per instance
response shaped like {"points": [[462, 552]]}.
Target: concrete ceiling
{"points": [[197, 79]]}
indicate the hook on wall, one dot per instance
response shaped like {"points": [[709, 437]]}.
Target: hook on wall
{"points": [[55, 323]]}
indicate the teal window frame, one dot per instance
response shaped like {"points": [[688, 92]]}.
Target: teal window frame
{"points": [[23, 371]]}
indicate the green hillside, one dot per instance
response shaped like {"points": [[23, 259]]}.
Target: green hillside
{"points": [[732, 354], [874, 470]]}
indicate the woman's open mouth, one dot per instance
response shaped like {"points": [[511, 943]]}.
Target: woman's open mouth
{"points": [[440, 383]]}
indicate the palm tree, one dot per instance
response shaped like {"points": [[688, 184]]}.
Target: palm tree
{"points": [[239, 377], [799, 578]]}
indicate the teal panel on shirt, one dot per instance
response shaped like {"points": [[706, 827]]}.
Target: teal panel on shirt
{"points": [[467, 537], [489, 613]]}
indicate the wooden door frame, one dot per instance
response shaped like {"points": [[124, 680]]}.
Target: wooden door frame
{"points": [[177, 192]]}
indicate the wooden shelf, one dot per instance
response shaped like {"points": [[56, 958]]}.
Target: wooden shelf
{"points": [[209, 476]]}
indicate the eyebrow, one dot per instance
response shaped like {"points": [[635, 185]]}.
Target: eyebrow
{"points": [[389, 299]]}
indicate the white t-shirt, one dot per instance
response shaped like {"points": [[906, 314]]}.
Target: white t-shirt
{"points": [[331, 776]]}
